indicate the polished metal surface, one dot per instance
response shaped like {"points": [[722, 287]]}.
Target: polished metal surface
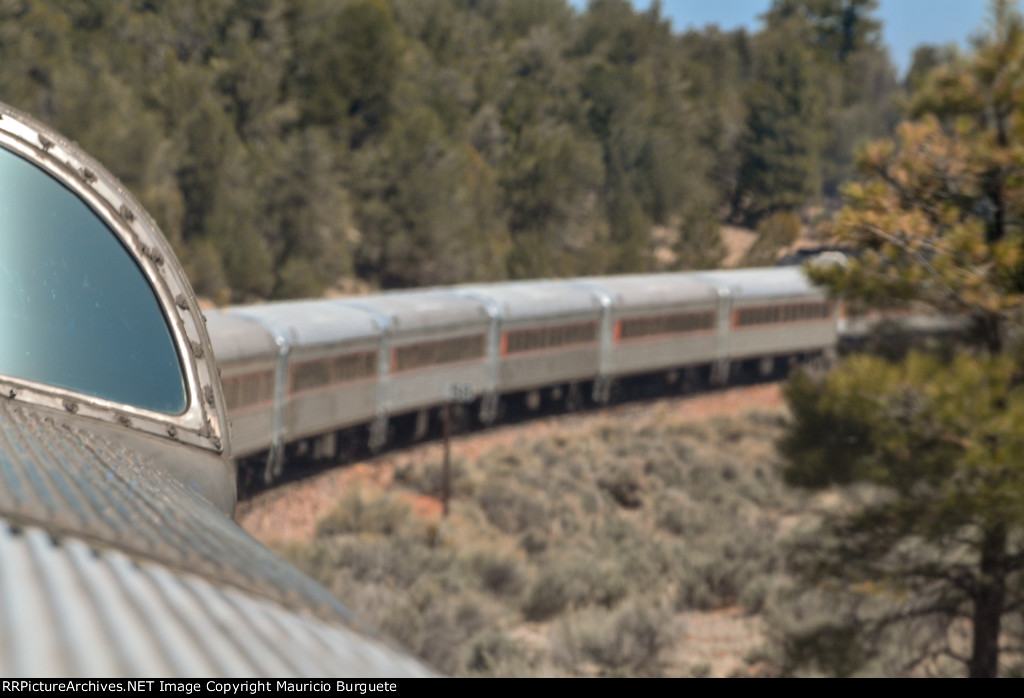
{"points": [[69, 608], [109, 567]]}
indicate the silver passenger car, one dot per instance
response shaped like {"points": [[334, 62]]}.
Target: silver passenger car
{"points": [[325, 373], [432, 340], [771, 313], [247, 356], [656, 322], [542, 333], [370, 359]]}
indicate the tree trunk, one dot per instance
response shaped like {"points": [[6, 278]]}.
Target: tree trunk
{"points": [[989, 599]]}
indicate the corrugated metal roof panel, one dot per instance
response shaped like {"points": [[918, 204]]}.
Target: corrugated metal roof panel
{"points": [[71, 481], [68, 609]]}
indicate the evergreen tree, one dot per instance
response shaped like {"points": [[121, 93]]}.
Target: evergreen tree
{"points": [[275, 140], [936, 439], [780, 168], [823, 86]]}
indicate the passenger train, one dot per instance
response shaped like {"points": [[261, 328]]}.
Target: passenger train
{"points": [[316, 375]]}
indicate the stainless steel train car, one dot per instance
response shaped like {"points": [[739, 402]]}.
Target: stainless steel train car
{"points": [[117, 556], [652, 323], [771, 313], [542, 334], [509, 341], [248, 363], [430, 341], [311, 369]]}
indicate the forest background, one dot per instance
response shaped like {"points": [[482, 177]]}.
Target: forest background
{"points": [[287, 147]]}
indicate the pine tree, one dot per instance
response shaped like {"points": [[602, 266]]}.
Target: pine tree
{"points": [[780, 150], [936, 439]]}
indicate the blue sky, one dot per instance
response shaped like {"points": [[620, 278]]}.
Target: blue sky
{"points": [[906, 23]]}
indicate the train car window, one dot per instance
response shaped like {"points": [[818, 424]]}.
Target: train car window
{"points": [[355, 366], [76, 311], [319, 373], [249, 389], [444, 351], [311, 374], [232, 392], [679, 323], [520, 341], [792, 312]]}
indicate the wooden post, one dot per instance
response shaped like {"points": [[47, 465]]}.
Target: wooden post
{"points": [[463, 393], [446, 477]]}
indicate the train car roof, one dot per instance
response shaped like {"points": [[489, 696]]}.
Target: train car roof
{"points": [[310, 323], [191, 627], [139, 575], [409, 311], [522, 300], [760, 283], [651, 290], [237, 338]]}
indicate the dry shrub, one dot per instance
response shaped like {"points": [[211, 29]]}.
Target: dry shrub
{"points": [[437, 625], [534, 541], [575, 581], [494, 653], [583, 529], [630, 641], [500, 575], [359, 511], [549, 595], [429, 479], [624, 481], [600, 582], [511, 507], [674, 512], [371, 561], [725, 569]]}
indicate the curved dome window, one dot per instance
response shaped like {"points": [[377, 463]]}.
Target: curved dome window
{"points": [[76, 311]]}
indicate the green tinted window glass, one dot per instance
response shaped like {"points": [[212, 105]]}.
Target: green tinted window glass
{"points": [[76, 311]]}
